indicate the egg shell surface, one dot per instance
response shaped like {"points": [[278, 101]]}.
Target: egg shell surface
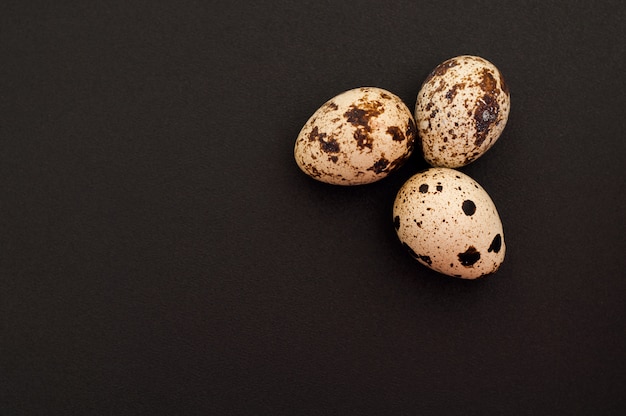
{"points": [[448, 222], [357, 137], [461, 110]]}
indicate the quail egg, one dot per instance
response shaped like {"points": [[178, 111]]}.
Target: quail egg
{"points": [[448, 222], [357, 137], [461, 110]]}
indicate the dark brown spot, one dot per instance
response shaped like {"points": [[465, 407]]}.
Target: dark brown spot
{"points": [[396, 134], [439, 188], [316, 135], [332, 106], [411, 131], [433, 113], [488, 83], [393, 166], [330, 145], [357, 117], [424, 188], [429, 105], [496, 244], [361, 115], [441, 69], [469, 208], [363, 139], [452, 92], [385, 96], [442, 85], [334, 159], [396, 222], [486, 113], [380, 165], [313, 171], [469, 257]]}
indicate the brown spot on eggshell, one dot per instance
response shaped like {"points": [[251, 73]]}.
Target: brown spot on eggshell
{"points": [[330, 145], [488, 82], [469, 207], [394, 165], [332, 106], [411, 131], [485, 114], [380, 165], [396, 134], [315, 135], [314, 171], [441, 69], [496, 244], [363, 139], [469, 257], [360, 116], [442, 85], [452, 92]]}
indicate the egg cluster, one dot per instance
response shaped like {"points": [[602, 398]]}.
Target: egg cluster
{"points": [[444, 218]]}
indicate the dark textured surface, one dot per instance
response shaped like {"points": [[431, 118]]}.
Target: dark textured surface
{"points": [[161, 253]]}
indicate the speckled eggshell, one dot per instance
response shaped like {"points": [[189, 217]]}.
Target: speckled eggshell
{"points": [[449, 223], [461, 111], [357, 137]]}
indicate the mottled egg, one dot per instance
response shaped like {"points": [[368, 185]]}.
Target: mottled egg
{"points": [[357, 137], [461, 110], [448, 222]]}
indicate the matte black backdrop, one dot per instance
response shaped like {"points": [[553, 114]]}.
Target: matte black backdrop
{"points": [[161, 253]]}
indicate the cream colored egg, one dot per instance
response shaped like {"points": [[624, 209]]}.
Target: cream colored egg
{"points": [[448, 222], [357, 137], [461, 110]]}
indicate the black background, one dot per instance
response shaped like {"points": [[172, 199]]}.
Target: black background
{"points": [[161, 252]]}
